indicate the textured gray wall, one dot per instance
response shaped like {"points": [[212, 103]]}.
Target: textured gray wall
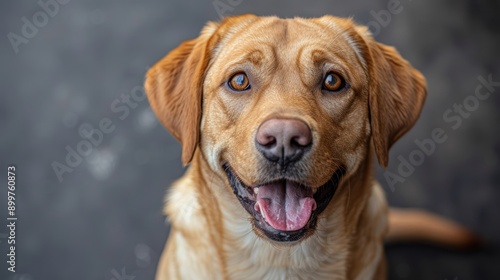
{"points": [[104, 221]]}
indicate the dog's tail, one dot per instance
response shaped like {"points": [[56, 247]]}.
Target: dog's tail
{"points": [[420, 226]]}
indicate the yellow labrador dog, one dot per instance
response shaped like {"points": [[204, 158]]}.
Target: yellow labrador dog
{"points": [[279, 119]]}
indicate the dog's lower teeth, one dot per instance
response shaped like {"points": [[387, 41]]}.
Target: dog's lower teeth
{"points": [[256, 190]]}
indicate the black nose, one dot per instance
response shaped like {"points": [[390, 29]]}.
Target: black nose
{"points": [[283, 140]]}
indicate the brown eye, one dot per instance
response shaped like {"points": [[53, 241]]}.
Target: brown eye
{"points": [[333, 82], [239, 82]]}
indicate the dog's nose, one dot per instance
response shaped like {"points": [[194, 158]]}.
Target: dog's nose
{"points": [[283, 140]]}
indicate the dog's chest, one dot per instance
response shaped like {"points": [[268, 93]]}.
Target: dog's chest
{"points": [[325, 255], [250, 257]]}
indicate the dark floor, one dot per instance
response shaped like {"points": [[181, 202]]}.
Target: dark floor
{"points": [[104, 221]]}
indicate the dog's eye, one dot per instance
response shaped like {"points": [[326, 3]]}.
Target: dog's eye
{"points": [[333, 82], [239, 82]]}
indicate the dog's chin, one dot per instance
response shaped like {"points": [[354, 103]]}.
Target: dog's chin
{"points": [[284, 211]]}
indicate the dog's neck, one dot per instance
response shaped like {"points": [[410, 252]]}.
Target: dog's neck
{"points": [[328, 252]]}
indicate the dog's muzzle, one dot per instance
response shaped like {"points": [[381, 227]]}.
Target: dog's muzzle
{"points": [[284, 210]]}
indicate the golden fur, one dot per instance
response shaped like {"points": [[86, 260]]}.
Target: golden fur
{"points": [[212, 236]]}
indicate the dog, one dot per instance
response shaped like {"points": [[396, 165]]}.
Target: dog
{"points": [[279, 121]]}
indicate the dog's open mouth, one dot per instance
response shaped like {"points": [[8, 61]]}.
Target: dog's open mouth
{"points": [[284, 210]]}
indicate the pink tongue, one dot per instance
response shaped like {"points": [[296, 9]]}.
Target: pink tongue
{"points": [[285, 206]]}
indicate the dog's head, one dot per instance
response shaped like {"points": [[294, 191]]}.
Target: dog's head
{"points": [[284, 109]]}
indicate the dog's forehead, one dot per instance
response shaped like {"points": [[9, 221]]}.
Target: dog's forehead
{"points": [[287, 37], [278, 30]]}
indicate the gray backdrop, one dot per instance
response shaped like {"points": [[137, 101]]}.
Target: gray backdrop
{"points": [[76, 63]]}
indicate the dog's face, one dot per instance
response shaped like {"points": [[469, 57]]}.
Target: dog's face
{"points": [[285, 108]]}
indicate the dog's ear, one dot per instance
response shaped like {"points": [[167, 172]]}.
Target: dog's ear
{"points": [[396, 96], [174, 88]]}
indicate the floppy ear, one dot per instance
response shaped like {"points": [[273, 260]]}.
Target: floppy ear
{"points": [[396, 97], [174, 88]]}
